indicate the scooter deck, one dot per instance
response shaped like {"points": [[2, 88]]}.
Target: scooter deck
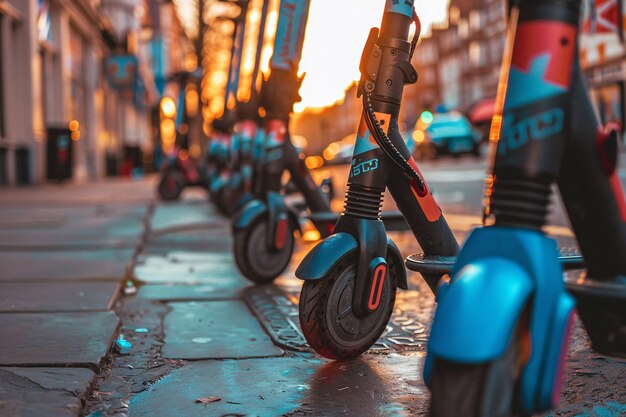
{"points": [[441, 265]]}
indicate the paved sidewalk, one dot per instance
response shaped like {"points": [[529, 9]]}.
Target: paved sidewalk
{"points": [[65, 253], [83, 264]]}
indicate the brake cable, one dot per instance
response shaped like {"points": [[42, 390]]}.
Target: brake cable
{"points": [[379, 134]]}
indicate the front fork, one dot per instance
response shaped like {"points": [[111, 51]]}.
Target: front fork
{"points": [[370, 172], [591, 191]]}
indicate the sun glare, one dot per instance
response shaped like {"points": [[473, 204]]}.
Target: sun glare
{"points": [[336, 33], [335, 36]]}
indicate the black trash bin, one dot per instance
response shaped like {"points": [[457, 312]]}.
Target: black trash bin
{"points": [[22, 166], [59, 154]]}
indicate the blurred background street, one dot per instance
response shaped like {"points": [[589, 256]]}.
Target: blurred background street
{"points": [[83, 264], [114, 303], [91, 88]]}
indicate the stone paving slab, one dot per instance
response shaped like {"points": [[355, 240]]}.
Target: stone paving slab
{"points": [[214, 330], [67, 214], [67, 265], [57, 296], [189, 257], [187, 214], [121, 191], [120, 235], [196, 239], [189, 292], [36, 392], [158, 269], [56, 339], [369, 386]]}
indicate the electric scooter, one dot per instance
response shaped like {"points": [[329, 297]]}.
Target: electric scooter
{"points": [[219, 147], [178, 169], [264, 229], [351, 277], [501, 330], [236, 191]]}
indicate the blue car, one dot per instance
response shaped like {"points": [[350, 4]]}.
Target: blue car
{"points": [[445, 134]]}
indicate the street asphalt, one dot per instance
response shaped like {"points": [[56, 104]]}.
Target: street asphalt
{"points": [[83, 264]]}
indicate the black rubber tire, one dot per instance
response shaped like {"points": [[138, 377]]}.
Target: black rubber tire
{"points": [[487, 390], [320, 302], [225, 201], [252, 257], [171, 185]]}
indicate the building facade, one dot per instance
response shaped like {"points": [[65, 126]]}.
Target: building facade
{"points": [[603, 58], [459, 61], [54, 75]]}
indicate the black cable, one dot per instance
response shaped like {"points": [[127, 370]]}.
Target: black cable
{"points": [[379, 134], [386, 145]]}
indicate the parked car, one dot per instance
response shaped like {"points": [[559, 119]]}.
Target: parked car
{"points": [[445, 134]]}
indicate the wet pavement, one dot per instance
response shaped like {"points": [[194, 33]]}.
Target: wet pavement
{"points": [[97, 262]]}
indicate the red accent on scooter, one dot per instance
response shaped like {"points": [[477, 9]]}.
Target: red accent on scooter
{"points": [[607, 143], [424, 197], [535, 38], [376, 291], [190, 170], [277, 128], [281, 234]]}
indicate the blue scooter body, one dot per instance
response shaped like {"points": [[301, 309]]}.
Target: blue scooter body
{"points": [[499, 273]]}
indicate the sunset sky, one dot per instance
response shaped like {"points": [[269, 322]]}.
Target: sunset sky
{"points": [[335, 36], [336, 33]]}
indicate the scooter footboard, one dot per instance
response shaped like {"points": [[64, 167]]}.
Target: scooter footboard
{"points": [[487, 297]]}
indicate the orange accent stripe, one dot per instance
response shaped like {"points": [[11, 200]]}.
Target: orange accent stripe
{"points": [[429, 206], [362, 126], [426, 201], [377, 286], [281, 234], [383, 120]]}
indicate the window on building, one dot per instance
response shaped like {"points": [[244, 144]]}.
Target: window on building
{"points": [[427, 53], [474, 21], [77, 80], [476, 54], [428, 76], [454, 15], [47, 50], [2, 48], [463, 29]]}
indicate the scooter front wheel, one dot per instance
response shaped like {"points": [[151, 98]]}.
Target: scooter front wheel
{"points": [[171, 185], [252, 256], [485, 390], [326, 318]]}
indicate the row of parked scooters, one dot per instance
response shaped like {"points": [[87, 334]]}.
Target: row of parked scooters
{"points": [[499, 339]]}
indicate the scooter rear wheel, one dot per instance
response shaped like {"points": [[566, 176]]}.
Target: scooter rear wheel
{"points": [[171, 185], [225, 200], [252, 256], [326, 317], [486, 390]]}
